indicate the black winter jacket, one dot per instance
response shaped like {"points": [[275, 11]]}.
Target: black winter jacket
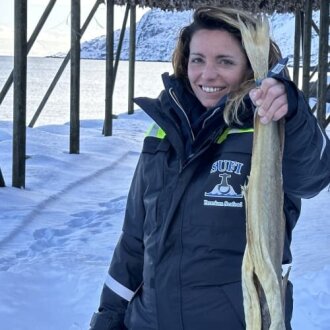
{"points": [[184, 231]]}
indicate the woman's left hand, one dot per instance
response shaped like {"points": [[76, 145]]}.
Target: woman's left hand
{"points": [[271, 100]]}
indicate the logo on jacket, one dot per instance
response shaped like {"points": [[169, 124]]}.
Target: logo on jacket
{"points": [[223, 189], [228, 169]]}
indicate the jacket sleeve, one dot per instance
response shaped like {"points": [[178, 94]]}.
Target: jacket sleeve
{"points": [[306, 158], [125, 271]]}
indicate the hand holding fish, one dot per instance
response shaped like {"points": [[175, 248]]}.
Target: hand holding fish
{"points": [[271, 99]]}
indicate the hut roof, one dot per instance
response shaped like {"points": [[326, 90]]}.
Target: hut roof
{"points": [[255, 6]]}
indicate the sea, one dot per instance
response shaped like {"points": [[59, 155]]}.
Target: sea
{"points": [[42, 70]]}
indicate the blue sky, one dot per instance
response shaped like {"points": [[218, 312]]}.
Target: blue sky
{"points": [[55, 36]]}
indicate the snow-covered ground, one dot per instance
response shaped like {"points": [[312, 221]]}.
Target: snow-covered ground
{"points": [[57, 235]]}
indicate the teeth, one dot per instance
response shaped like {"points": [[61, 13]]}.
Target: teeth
{"points": [[210, 89]]}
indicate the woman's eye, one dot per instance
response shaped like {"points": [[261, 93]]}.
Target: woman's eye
{"points": [[226, 62], [196, 60]]}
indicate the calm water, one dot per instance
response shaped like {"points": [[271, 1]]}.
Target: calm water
{"points": [[41, 71]]}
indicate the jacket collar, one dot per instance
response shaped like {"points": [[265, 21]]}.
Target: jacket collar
{"points": [[188, 125]]}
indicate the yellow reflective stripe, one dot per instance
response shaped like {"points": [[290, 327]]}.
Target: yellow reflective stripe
{"points": [[228, 131], [155, 131]]}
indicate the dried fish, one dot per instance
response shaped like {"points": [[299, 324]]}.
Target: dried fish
{"points": [[263, 290]]}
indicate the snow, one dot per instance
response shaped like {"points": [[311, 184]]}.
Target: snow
{"points": [[57, 235]]}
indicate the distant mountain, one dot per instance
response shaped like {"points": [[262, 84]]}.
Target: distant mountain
{"points": [[157, 32], [156, 35]]}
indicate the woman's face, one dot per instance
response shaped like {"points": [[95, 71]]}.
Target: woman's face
{"points": [[216, 65]]}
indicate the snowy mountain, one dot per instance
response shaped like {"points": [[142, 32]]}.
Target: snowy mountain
{"points": [[157, 31], [156, 35]]}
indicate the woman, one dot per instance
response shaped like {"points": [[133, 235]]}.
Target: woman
{"points": [[178, 262]]}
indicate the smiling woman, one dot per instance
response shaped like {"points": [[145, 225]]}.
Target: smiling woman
{"points": [[178, 262]]}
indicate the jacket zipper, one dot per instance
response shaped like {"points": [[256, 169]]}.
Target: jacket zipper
{"points": [[192, 156], [175, 99], [210, 116], [195, 155]]}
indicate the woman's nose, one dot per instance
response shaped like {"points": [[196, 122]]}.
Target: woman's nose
{"points": [[209, 71]]}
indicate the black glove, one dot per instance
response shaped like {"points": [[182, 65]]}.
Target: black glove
{"points": [[107, 320]]}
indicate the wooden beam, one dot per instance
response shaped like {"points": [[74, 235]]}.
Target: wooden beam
{"points": [[131, 71], [109, 71], [323, 64], [19, 75], [297, 46], [75, 77], [307, 36], [120, 43]]}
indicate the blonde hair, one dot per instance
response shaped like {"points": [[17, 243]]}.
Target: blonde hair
{"points": [[220, 18]]}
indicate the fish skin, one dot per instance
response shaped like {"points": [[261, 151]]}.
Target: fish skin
{"points": [[263, 290]]}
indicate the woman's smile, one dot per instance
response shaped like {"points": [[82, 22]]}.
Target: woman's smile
{"points": [[210, 89]]}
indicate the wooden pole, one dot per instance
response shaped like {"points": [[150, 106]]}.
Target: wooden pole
{"points": [[109, 71], [120, 43], [307, 47], [323, 63], [131, 71], [111, 77], [297, 46], [75, 77], [30, 43], [19, 118]]}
